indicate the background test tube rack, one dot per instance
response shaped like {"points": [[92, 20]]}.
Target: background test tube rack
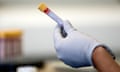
{"points": [[10, 43]]}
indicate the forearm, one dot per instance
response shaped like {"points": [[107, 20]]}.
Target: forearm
{"points": [[103, 61]]}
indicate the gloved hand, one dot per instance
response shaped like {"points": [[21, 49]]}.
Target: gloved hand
{"points": [[76, 48]]}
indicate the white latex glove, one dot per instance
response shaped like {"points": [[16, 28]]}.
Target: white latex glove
{"points": [[76, 49]]}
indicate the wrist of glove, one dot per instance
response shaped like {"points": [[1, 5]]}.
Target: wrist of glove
{"points": [[76, 48]]}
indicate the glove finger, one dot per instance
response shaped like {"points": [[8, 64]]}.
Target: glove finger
{"points": [[68, 26], [57, 34]]}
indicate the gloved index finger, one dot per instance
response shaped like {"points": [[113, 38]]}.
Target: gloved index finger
{"points": [[67, 26]]}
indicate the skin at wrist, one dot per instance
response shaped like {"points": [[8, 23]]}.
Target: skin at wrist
{"points": [[103, 61]]}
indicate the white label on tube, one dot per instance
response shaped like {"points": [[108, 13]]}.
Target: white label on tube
{"points": [[55, 18]]}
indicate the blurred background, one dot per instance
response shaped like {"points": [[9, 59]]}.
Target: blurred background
{"points": [[99, 18]]}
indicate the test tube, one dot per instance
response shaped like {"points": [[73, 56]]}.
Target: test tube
{"points": [[52, 15]]}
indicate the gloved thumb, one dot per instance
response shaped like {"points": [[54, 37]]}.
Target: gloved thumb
{"points": [[68, 26], [57, 34]]}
